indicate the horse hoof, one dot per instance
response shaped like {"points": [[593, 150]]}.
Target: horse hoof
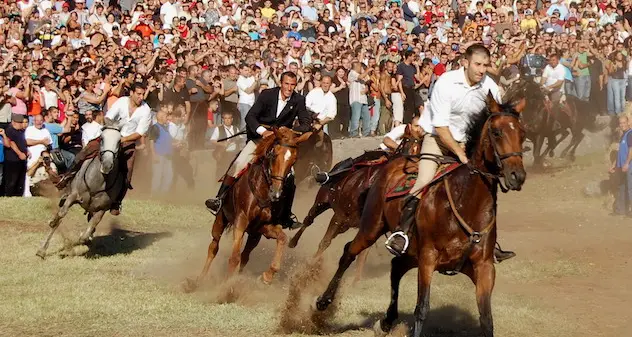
{"points": [[377, 329], [551, 154], [189, 285], [265, 279], [322, 304]]}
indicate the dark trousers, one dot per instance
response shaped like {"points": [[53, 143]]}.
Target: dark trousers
{"points": [[339, 127], [14, 174], [289, 189], [411, 103], [182, 167], [197, 125]]}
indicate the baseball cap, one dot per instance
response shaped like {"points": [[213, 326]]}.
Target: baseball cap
{"points": [[294, 24], [528, 12]]}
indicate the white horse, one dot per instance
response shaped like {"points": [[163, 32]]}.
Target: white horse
{"points": [[94, 187]]}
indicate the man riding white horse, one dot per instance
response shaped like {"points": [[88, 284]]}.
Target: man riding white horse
{"points": [[275, 107], [134, 118], [458, 95]]}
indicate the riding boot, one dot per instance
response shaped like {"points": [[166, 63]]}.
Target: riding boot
{"points": [[502, 255], [397, 242], [288, 219], [69, 175], [215, 204], [117, 205]]}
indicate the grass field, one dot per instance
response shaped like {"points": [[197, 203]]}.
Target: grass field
{"points": [[129, 283]]}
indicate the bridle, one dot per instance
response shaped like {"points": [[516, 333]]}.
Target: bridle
{"points": [[499, 157], [410, 141], [114, 153], [269, 157]]}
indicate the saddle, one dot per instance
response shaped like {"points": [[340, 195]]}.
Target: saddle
{"points": [[406, 183]]}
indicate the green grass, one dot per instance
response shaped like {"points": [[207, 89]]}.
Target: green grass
{"points": [[136, 293]]}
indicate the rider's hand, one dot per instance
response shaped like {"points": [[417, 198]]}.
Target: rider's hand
{"points": [[625, 167], [463, 158], [318, 126], [267, 134]]}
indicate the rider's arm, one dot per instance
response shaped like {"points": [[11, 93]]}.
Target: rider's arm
{"points": [[252, 124], [304, 117], [143, 126], [391, 144], [440, 106]]}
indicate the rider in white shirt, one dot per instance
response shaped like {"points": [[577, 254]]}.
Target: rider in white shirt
{"points": [[394, 137], [553, 78], [457, 97], [134, 118]]}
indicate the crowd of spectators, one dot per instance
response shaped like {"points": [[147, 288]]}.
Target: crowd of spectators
{"points": [[63, 63]]}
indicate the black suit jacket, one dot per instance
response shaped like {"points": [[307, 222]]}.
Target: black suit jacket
{"points": [[265, 109]]}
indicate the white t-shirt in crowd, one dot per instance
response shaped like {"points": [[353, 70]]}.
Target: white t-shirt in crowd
{"points": [[553, 75], [244, 83]]}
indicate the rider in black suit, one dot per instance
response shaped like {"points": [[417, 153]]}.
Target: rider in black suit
{"points": [[275, 107]]}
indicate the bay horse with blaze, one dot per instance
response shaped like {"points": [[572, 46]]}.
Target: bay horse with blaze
{"points": [[455, 223], [252, 205]]}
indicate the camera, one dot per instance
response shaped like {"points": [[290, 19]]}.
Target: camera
{"points": [[46, 160]]}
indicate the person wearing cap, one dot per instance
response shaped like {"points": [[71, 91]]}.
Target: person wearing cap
{"points": [[294, 32], [276, 107], [528, 22], [457, 96], [554, 25]]}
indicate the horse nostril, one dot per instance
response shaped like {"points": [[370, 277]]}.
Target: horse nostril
{"points": [[514, 177]]}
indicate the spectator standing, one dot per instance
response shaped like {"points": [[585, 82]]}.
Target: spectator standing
{"points": [[247, 83], [162, 154], [15, 157]]}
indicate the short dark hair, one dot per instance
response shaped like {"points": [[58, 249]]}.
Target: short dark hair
{"points": [[477, 48], [288, 74], [138, 85]]}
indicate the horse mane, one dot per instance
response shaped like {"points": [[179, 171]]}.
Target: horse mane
{"points": [[475, 128], [264, 145]]}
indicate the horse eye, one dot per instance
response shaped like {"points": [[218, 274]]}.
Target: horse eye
{"points": [[497, 133]]}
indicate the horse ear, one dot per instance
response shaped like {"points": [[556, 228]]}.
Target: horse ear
{"points": [[493, 106], [108, 122], [520, 105], [303, 137]]}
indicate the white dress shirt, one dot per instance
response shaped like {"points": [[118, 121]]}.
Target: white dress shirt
{"points": [[454, 102], [281, 103], [396, 134], [90, 131], [138, 122], [324, 104]]}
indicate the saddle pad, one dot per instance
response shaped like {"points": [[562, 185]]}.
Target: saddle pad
{"points": [[406, 183], [374, 162]]}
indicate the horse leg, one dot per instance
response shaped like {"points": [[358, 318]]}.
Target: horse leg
{"points": [[537, 150], [213, 248], [274, 232], [335, 227], [424, 278], [360, 265], [399, 267], [54, 223], [320, 205], [483, 274], [578, 140], [238, 236], [93, 222], [251, 243], [364, 239]]}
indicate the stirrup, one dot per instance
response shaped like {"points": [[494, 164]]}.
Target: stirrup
{"points": [[406, 243], [220, 200], [327, 177]]}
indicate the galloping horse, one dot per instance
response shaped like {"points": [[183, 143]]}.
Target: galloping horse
{"points": [[313, 155], [455, 224], [346, 193], [251, 205], [95, 187]]}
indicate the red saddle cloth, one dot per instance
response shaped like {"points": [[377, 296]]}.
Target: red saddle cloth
{"points": [[406, 183]]}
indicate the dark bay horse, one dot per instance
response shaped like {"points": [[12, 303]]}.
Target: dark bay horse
{"points": [[96, 185], [251, 205], [346, 193], [455, 223], [314, 155]]}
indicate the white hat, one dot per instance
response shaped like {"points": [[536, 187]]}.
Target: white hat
{"points": [[37, 41], [429, 3], [550, 30]]}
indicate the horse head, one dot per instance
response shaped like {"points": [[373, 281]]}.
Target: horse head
{"points": [[280, 155], [412, 139], [498, 146], [110, 144]]}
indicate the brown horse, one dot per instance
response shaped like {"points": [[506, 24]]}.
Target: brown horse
{"points": [[455, 227], [315, 155], [251, 206], [353, 185]]}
